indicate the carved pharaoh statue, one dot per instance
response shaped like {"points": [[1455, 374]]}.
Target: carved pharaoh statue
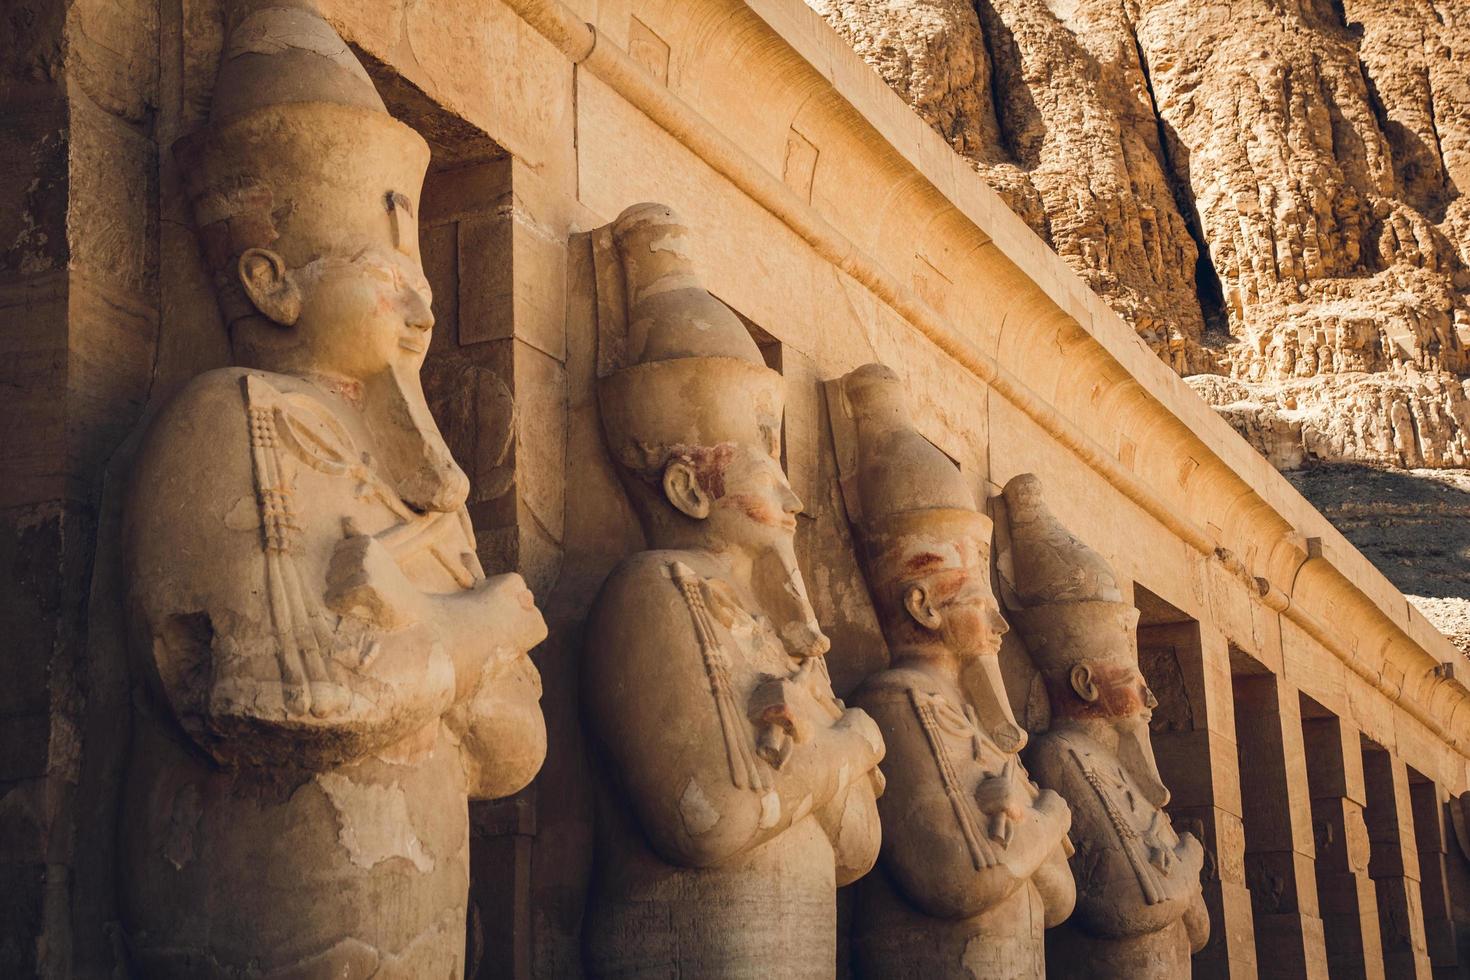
{"points": [[324, 673], [1140, 912], [739, 791], [974, 856]]}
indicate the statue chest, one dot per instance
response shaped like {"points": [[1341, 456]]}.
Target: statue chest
{"points": [[1122, 802], [954, 737], [315, 483]]}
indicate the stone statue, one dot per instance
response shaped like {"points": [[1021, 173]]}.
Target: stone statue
{"points": [[740, 792], [324, 673], [974, 858], [1140, 912]]}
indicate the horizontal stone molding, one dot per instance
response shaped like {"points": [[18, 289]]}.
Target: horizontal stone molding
{"points": [[1373, 621]]}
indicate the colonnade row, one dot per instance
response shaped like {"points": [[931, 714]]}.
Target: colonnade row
{"points": [[1329, 856], [328, 664]]}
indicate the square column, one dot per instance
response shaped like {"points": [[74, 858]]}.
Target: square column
{"points": [[1431, 833], [1345, 892], [1193, 732], [1393, 864], [1279, 851]]}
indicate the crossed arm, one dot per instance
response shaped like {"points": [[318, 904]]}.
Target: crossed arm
{"points": [[650, 704]]}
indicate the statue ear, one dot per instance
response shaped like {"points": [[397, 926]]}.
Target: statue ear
{"points": [[916, 601], [269, 285], [1083, 683], [681, 487]]}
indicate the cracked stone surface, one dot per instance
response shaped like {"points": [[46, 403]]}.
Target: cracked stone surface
{"points": [[1269, 191]]}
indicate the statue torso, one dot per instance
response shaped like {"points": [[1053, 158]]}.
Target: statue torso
{"points": [[944, 743], [244, 487], [1133, 891], [769, 909]]}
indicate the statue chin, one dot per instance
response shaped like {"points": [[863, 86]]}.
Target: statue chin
{"points": [[1136, 753], [781, 590], [414, 453]]}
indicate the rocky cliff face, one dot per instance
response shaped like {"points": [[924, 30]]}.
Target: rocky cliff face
{"points": [[1270, 191]]}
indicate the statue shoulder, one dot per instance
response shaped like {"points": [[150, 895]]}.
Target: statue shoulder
{"points": [[899, 684], [1053, 753], [203, 402], [642, 600], [903, 680], [201, 424], [652, 580], [194, 457]]}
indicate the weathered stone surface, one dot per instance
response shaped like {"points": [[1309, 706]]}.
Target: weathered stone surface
{"points": [[974, 855], [1311, 155], [731, 773]]}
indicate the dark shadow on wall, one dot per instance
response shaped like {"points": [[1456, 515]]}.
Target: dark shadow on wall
{"points": [[1022, 128]]}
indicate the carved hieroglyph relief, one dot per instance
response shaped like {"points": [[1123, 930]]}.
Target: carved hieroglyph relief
{"points": [[325, 672], [1140, 912], [974, 855], [739, 792]]}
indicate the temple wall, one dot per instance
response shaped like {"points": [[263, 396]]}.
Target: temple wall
{"points": [[842, 230]]}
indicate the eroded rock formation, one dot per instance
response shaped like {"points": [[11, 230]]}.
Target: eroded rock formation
{"points": [[1054, 112], [1269, 191]]}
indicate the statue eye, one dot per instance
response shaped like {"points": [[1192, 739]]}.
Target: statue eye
{"points": [[400, 216], [396, 201]]}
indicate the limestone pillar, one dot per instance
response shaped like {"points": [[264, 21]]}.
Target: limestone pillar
{"points": [[1431, 834], [1278, 830], [1193, 732], [1349, 906], [1393, 863]]}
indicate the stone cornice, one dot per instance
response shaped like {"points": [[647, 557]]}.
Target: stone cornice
{"points": [[1224, 499]]}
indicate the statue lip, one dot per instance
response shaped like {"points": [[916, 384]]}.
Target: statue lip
{"points": [[412, 344]]}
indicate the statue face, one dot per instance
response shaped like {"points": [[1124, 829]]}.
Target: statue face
{"points": [[1108, 689], [953, 607], [362, 320], [363, 315], [753, 506], [971, 623], [955, 604], [1123, 694], [743, 503], [1115, 693], [350, 316]]}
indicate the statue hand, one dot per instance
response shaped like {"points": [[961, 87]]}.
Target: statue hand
{"points": [[1051, 805], [1190, 852], [1002, 794], [365, 582], [1008, 799], [859, 721], [1197, 923], [519, 623], [782, 704]]}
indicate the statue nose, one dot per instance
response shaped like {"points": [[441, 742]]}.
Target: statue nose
{"points": [[790, 501], [418, 313]]}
